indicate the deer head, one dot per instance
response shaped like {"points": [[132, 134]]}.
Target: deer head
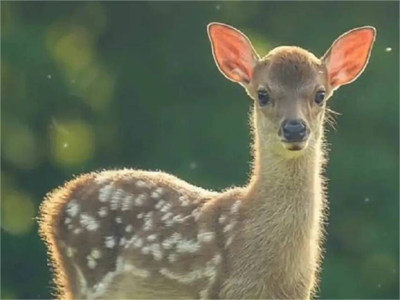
{"points": [[290, 86]]}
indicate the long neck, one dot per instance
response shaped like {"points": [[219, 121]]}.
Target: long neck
{"points": [[285, 204], [285, 180]]}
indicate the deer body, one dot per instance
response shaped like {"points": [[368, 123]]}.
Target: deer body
{"points": [[137, 234]]}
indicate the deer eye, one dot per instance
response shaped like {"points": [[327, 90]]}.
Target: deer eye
{"points": [[263, 97], [319, 97]]}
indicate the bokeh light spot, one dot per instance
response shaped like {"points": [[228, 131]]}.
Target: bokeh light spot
{"points": [[17, 212], [72, 143], [19, 145], [74, 49]]}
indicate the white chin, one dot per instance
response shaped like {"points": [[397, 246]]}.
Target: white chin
{"points": [[297, 146], [294, 149]]}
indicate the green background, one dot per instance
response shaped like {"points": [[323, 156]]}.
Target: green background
{"points": [[90, 86]]}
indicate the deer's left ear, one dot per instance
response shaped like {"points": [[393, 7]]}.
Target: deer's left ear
{"points": [[348, 56]]}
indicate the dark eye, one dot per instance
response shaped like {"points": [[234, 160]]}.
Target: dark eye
{"points": [[263, 97], [319, 97]]}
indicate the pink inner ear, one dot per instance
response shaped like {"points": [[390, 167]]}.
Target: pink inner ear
{"points": [[349, 55], [233, 53]]}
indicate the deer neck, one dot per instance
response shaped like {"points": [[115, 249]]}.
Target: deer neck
{"points": [[285, 180], [281, 220], [285, 194]]}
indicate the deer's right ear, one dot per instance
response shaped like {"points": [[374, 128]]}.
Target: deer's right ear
{"points": [[348, 56], [233, 52]]}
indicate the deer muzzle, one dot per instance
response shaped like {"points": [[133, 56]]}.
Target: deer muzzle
{"points": [[294, 134]]}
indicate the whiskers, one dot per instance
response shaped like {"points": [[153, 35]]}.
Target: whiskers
{"points": [[330, 117]]}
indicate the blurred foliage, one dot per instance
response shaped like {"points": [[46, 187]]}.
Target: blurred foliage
{"points": [[93, 85]]}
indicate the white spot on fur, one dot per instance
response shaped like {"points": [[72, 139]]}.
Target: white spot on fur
{"points": [[139, 200], [159, 204], [129, 268], [138, 243], [159, 190], [187, 246], [168, 243], [152, 237], [196, 213], [166, 216], [127, 203], [169, 223], [73, 208], [118, 220], [184, 200], [206, 236], [145, 250], [217, 259], [77, 230], [166, 207], [135, 241], [110, 241], [155, 195], [122, 242], [180, 219], [67, 221], [229, 241], [129, 228], [71, 251], [103, 211], [235, 207], [91, 262], [172, 257], [230, 226], [222, 219], [204, 293], [140, 216], [105, 193], [148, 221], [95, 253], [184, 278], [114, 203], [141, 184], [116, 199], [89, 222], [155, 250]]}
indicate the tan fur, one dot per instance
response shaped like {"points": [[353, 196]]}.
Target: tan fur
{"points": [[138, 234]]}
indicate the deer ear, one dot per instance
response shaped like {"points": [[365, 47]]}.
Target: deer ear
{"points": [[233, 52], [349, 55]]}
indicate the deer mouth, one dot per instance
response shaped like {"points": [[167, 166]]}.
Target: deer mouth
{"points": [[294, 146]]}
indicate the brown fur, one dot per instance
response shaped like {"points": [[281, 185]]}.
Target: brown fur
{"points": [[138, 234]]}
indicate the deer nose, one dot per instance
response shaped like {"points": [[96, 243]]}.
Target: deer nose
{"points": [[294, 131]]}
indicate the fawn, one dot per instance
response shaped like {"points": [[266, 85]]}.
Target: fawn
{"points": [[138, 234]]}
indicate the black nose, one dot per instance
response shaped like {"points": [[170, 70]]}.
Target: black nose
{"points": [[294, 130]]}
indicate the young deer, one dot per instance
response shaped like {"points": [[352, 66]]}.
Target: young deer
{"points": [[138, 234]]}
